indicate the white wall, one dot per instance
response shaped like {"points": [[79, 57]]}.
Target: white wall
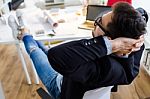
{"points": [[77, 2], [142, 3], [72, 2], [146, 5]]}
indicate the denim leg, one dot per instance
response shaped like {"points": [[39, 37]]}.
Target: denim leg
{"points": [[42, 46], [45, 50], [46, 73]]}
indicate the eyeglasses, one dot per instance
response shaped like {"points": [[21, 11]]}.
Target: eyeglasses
{"points": [[98, 23]]}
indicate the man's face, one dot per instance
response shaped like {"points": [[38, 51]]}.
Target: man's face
{"points": [[101, 24]]}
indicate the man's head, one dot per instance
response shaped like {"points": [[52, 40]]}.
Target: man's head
{"points": [[122, 21]]}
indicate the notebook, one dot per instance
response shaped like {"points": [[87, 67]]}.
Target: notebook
{"points": [[92, 12]]}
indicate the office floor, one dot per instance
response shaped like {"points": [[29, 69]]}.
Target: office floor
{"points": [[15, 85]]}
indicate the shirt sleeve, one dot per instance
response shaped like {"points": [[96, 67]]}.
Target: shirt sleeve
{"points": [[109, 48], [108, 45], [67, 57]]}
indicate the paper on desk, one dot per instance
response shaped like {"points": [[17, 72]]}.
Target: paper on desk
{"points": [[5, 32], [35, 22], [48, 18]]}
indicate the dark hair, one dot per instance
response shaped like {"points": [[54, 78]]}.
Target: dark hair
{"points": [[126, 22]]}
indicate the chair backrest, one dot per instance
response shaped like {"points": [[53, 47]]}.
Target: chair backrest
{"points": [[99, 93]]}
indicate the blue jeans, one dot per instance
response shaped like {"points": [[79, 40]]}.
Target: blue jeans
{"points": [[49, 77]]}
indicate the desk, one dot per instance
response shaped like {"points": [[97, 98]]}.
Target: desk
{"points": [[34, 21], [65, 31]]}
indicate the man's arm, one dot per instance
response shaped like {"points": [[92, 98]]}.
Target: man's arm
{"points": [[68, 57]]}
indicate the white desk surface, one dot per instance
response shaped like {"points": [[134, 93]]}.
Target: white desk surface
{"points": [[34, 20]]}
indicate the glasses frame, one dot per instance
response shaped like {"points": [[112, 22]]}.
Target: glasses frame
{"points": [[98, 23]]}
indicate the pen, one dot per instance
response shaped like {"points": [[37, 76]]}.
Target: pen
{"points": [[53, 31]]}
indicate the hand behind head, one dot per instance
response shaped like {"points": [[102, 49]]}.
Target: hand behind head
{"points": [[122, 44]]}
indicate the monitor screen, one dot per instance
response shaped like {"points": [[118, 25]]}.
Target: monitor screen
{"points": [[94, 10]]}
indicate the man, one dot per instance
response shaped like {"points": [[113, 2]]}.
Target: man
{"points": [[104, 60]]}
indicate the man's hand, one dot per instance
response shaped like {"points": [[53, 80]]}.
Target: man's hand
{"points": [[123, 53], [138, 44], [123, 45]]}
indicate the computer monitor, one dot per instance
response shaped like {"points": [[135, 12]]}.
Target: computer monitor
{"points": [[94, 10]]}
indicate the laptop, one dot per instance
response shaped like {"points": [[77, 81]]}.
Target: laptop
{"points": [[93, 11]]}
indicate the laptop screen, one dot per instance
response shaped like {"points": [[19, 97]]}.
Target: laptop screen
{"points": [[94, 10]]}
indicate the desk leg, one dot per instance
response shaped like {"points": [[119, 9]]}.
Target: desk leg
{"points": [[36, 77], [23, 64], [2, 96], [35, 73]]}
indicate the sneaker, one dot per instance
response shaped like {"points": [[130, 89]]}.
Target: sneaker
{"points": [[22, 26], [19, 16], [14, 26]]}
